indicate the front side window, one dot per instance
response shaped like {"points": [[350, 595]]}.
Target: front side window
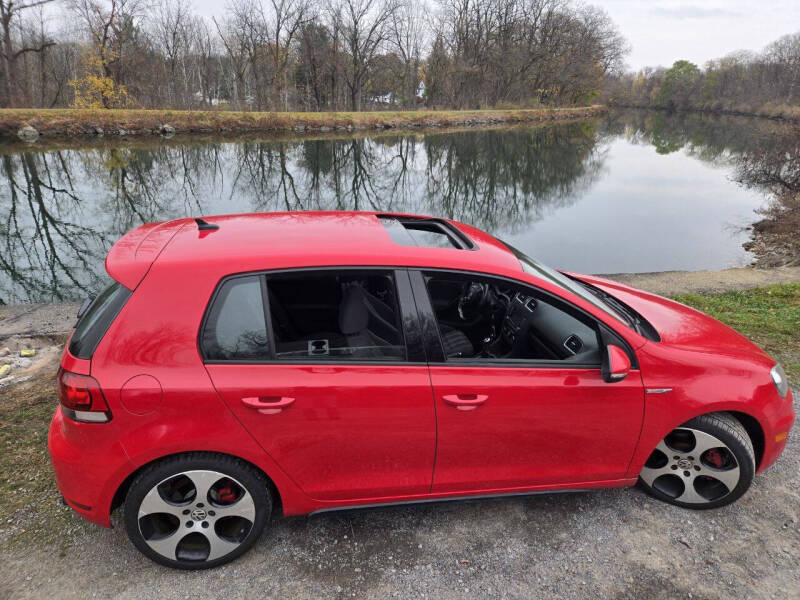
{"points": [[236, 326], [335, 315], [487, 319]]}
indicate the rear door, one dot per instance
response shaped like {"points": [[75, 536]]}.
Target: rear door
{"points": [[347, 415]]}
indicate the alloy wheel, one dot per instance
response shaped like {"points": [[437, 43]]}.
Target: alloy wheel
{"points": [[692, 467], [196, 516]]}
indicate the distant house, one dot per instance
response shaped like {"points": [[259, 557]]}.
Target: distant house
{"points": [[384, 99], [201, 99], [390, 99]]}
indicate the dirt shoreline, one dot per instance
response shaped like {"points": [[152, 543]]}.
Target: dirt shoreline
{"points": [[33, 124], [672, 283]]}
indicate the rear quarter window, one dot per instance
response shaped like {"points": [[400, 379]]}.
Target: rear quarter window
{"points": [[235, 328], [94, 323]]}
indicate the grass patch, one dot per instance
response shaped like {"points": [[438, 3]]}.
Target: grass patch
{"points": [[30, 504], [770, 316], [69, 122]]}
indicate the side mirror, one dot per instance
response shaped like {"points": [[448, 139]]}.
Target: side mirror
{"points": [[616, 364]]}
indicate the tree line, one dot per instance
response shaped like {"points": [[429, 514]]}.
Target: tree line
{"points": [[304, 54], [763, 83]]}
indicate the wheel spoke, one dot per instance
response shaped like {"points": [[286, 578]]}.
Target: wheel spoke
{"points": [[153, 503], [243, 507], [166, 546], [704, 441], [203, 480], [662, 446], [689, 495], [650, 475], [730, 477], [219, 546]]}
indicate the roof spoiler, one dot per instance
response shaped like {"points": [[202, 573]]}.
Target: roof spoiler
{"points": [[205, 225]]}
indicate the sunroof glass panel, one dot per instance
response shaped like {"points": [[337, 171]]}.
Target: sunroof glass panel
{"points": [[430, 235], [425, 233]]}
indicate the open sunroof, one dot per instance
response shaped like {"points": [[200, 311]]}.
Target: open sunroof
{"points": [[426, 233]]}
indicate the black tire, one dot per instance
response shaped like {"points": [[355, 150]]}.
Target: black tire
{"points": [[242, 475], [728, 430]]}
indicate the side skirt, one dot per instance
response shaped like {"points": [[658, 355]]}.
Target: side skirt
{"points": [[594, 486]]}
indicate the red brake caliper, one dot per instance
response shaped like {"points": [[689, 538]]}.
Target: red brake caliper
{"points": [[714, 457], [225, 495]]}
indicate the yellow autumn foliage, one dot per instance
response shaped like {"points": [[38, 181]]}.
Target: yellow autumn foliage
{"points": [[95, 90]]}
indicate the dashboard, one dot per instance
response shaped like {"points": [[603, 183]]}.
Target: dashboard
{"points": [[535, 329]]}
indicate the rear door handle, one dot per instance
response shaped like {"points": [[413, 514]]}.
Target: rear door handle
{"points": [[268, 405], [465, 401]]}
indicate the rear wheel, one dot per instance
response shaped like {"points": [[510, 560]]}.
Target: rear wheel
{"points": [[705, 463], [197, 511]]}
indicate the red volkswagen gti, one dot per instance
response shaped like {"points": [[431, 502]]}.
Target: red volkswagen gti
{"points": [[245, 366]]}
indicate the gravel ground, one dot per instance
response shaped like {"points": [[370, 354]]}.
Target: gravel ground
{"points": [[604, 544]]}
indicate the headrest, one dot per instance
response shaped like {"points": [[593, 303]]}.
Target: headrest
{"points": [[353, 314]]}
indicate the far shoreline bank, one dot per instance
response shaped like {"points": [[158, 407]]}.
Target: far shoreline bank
{"points": [[714, 112], [33, 124]]}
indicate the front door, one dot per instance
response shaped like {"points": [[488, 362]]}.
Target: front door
{"points": [[520, 400], [535, 426], [342, 406]]}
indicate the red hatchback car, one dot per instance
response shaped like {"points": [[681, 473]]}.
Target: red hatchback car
{"points": [[292, 363]]}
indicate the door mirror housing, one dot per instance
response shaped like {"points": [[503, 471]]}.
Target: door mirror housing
{"points": [[616, 364]]}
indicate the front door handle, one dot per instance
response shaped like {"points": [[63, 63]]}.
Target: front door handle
{"points": [[465, 401], [268, 405]]}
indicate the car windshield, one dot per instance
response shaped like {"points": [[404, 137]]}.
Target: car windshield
{"points": [[589, 293]]}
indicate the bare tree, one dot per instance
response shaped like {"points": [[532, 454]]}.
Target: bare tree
{"points": [[408, 29], [10, 13], [173, 27], [365, 28], [286, 19]]}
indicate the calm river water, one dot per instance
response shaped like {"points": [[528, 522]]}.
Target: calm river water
{"points": [[631, 192]]}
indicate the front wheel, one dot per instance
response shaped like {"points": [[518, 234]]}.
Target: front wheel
{"points": [[705, 463], [197, 511]]}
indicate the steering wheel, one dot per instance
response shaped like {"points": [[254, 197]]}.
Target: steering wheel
{"points": [[473, 300]]}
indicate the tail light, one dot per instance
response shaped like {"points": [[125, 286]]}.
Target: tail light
{"points": [[81, 398]]}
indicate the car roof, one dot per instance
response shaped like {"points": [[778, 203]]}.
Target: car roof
{"points": [[261, 241]]}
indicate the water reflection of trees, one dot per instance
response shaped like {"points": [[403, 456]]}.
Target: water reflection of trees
{"points": [[62, 210], [764, 155]]}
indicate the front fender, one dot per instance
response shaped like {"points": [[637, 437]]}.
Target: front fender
{"points": [[702, 384]]}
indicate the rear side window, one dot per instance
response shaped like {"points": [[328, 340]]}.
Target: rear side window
{"points": [[236, 328], [94, 323]]}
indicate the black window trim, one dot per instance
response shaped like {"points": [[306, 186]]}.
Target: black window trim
{"points": [[435, 349], [409, 317]]}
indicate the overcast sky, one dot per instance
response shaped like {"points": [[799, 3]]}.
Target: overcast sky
{"points": [[663, 31]]}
